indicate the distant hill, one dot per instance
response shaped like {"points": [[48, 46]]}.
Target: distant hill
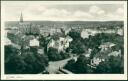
{"points": [[85, 24]]}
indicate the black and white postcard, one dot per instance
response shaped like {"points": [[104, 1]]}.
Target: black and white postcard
{"points": [[63, 40]]}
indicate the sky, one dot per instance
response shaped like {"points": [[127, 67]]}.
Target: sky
{"points": [[66, 11]]}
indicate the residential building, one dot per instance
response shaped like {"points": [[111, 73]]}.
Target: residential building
{"points": [[61, 43], [115, 53], [95, 61], [34, 42], [106, 46]]}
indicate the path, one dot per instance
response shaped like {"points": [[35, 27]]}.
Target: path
{"points": [[55, 65]]}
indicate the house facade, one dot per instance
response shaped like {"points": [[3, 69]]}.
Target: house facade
{"points": [[60, 44]]}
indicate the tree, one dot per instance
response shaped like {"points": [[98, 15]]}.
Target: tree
{"points": [[53, 54], [15, 65], [94, 52], [28, 63], [103, 67], [35, 62], [64, 55], [77, 47], [81, 64], [74, 34], [70, 65], [10, 51], [112, 65], [116, 64], [12, 60]]}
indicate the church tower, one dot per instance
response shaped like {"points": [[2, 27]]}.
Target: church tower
{"points": [[21, 18]]}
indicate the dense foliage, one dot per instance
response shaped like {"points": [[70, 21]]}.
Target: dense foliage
{"points": [[27, 63], [79, 66], [77, 45], [74, 34], [112, 64], [54, 55], [94, 42]]}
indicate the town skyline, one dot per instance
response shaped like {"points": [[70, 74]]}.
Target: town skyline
{"points": [[87, 39]]}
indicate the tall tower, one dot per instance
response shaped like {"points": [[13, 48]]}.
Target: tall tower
{"points": [[21, 18]]}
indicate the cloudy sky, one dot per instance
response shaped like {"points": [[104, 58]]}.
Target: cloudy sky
{"points": [[66, 11]]}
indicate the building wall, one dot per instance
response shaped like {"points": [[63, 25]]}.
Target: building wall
{"points": [[60, 44]]}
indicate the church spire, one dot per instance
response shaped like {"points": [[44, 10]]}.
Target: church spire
{"points": [[21, 18]]}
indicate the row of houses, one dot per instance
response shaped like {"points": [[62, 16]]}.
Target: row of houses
{"points": [[86, 32], [103, 55]]}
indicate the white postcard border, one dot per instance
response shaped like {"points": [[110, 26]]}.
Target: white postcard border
{"points": [[66, 76]]}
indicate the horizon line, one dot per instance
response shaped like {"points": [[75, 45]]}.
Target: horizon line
{"points": [[66, 20]]}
